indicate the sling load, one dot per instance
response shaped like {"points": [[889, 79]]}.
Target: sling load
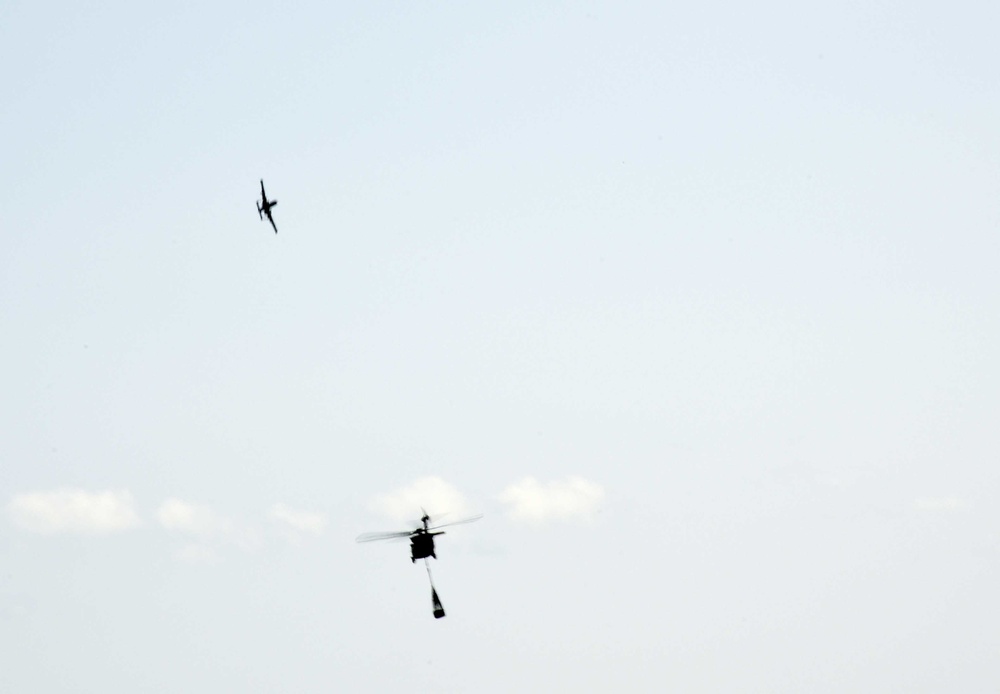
{"points": [[438, 607]]}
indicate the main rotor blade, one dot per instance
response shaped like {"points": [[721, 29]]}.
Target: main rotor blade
{"points": [[458, 522], [371, 537]]}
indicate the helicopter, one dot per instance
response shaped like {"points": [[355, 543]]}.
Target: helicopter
{"points": [[421, 547], [421, 538]]}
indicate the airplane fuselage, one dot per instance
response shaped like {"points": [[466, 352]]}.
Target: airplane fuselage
{"points": [[264, 207]]}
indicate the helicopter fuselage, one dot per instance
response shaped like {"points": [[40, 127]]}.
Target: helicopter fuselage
{"points": [[422, 545]]}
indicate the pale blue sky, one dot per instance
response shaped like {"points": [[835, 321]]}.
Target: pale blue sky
{"points": [[733, 267]]}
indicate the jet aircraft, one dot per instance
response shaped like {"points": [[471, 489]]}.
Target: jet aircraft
{"points": [[264, 207]]}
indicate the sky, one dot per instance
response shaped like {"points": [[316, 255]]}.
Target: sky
{"points": [[696, 303]]}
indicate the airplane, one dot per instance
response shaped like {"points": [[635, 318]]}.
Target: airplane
{"points": [[266, 207]]}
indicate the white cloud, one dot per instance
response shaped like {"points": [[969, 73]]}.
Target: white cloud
{"points": [[530, 500], [192, 519], [947, 503], [74, 511], [430, 493], [298, 521], [201, 522]]}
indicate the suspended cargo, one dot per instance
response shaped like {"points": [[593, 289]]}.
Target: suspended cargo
{"points": [[438, 607]]}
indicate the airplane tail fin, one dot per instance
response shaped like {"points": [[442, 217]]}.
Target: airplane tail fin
{"points": [[260, 213]]}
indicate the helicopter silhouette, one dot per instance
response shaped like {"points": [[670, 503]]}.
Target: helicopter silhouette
{"points": [[421, 538], [421, 547]]}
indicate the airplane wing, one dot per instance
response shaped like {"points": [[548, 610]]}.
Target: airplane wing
{"points": [[271, 220]]}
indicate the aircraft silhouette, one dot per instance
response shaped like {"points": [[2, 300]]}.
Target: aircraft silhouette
{"points": [[265, 208], [421, 547], [421, 539]]}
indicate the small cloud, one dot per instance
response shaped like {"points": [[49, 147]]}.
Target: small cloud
{"points": [[574, 498], [947, 503], [192, 519], [74, 511], [430, 493], [204, 524], [298, 522]]}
